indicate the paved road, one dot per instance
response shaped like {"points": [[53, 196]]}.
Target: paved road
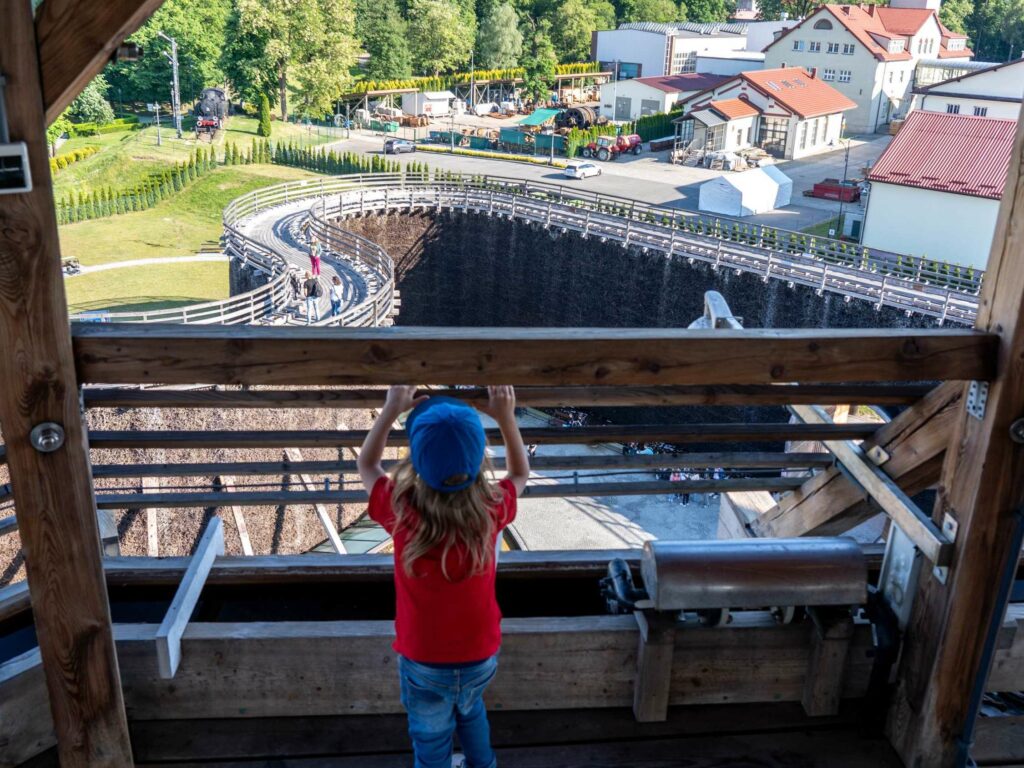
{"points": [[279, 228]]}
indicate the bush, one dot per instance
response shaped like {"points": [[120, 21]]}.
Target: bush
{"points": [[264, 126], [492, 155]]}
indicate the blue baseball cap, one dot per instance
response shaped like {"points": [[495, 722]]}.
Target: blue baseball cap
{"points": [[446, 443]]}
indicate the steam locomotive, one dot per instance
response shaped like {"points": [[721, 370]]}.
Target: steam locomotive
{"points": [[210, 112]]}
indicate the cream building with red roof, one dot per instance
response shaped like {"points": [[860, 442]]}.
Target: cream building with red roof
{"points": [[788, 112], [869, 53]]}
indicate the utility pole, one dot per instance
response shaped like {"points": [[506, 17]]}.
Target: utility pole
{"points": [[156, 106], [842, 192], [472, 78], [175, 91]]}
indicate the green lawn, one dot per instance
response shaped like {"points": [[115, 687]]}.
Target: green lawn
{"points": [[821, 229], [154, 286], [127, 158], [176, 227]]}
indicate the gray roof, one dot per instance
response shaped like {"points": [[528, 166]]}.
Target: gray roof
{"points": [[687, 29]]}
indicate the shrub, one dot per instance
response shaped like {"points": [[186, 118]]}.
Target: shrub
{"points": [[492, 155], [264, 126]]}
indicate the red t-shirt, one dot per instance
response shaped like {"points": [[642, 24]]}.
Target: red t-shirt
{"points": [[437, 620]]}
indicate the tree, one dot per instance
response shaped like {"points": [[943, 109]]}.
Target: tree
{"points": [[91, 105], [384, 34], [199, 27], [264, 126], [440, 38], [662, 11], [58, 128], [500, 42], [540, 63], [709, 10], [604, 14], [954, 13], [573, 24], [772, 10]]}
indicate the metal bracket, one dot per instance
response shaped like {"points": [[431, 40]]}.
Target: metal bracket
{"points": [[47, 437], [1017, 431], [878, 455], [977, 397]]}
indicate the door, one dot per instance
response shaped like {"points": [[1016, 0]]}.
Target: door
{"points": [[623, 108], [649, 107]]}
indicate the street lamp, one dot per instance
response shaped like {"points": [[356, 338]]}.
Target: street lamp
{"points": [[842, 185], [175, 91]]}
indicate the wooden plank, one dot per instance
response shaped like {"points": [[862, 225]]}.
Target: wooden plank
{"points": [[673, 433], [925, 534], [828, 504], [294, 455], [769, 394], [76, 40], [982, 488], [535, 491], [150, 484], [999, 740], [726, 460], [656, 647], [238, 515], [830, 642], [14, 599], [109, 353], [168, 636], [8, 525], [56, 515], [24, 709]]}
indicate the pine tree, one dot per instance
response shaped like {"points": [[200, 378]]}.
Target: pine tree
{"points": [[264, 127]]}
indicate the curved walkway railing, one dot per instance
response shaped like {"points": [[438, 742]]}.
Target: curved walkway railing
{"points": [[935, 289]]}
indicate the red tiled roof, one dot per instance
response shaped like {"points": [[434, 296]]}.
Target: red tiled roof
{"points": [[903, 21], [860, 23], [963, 53], [734, 109], [680, 83], [949, 153], [797, 91]]}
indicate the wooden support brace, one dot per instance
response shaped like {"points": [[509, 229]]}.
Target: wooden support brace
{"points": [[168, 636], [293, 454], [653, 665], [238, 514], [830, 641]]}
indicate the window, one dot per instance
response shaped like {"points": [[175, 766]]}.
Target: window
{"points": [[803, 135], [957, 45], [845, 75], [981, 111], [890, 77], [750, 133], [798, 45], [896, 46], [828, 74], [902, 74], [833, 47], [953, 109], [848, 49], [823, 24], [822, 126], [815, 47]]}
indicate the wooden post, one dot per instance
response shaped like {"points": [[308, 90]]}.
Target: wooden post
{"points": [[830, 642], [55, 508], [653, 666], [982, 489]]}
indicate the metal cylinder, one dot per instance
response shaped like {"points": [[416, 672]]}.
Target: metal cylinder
{"points": [[753, 573]]}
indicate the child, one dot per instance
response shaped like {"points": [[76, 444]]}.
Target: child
{"points": [[445, 516]]}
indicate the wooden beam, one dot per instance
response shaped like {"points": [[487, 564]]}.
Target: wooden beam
{"points": [[734, 460], [669, 433], [76, 40], [168, 636], [238, 514], [828, 504], [767, 394], [982, 489], [109, 353], [830, 643], [533, 491], [293, 455], [55, 509], [925, 534], [654, 654]]}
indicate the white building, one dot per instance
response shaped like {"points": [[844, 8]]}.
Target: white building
{"points": [[868, 53], [788, 112], [935, 190], [630, 99], [995, 91], [429, 103], [646, 49], [729, 62]]}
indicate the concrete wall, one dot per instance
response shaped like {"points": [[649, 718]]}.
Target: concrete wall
{"points": [[938, 102], [635, 47], [935, 225]]}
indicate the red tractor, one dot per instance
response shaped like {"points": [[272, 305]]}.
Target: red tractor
{"points": [[610, 147]]}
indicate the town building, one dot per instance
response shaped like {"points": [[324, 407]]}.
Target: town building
{"points": [[729, 62], [869, 54], [935, 190], [630, 99], [788, 112], [995, 91], [647, 49]]}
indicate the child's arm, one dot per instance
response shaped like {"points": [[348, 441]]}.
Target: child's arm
{"points": [[501, 407], [399, 400]]}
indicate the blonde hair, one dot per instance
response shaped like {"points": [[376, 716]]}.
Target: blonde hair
{"points": [[434, 518]]}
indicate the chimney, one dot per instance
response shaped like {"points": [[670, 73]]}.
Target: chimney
{"points": [[845, 9], [814, 72]]}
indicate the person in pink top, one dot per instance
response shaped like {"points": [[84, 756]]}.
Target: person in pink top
{"points": [[314, 257], [445, 514]]}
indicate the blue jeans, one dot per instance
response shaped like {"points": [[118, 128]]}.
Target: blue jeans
{"points": [[335, 307], [312, 309], [442, 701]]}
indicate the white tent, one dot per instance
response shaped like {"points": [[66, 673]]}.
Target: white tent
{"points": [[747, 193]]}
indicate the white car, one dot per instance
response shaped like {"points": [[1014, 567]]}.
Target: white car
{"points": [[580, 169]]}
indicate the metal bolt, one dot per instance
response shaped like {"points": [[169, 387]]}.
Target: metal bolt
{"points": [[47, 437], [1017, 431]]}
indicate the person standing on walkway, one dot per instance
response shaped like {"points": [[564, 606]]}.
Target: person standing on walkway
{"points": [[295, 283], [445, 515], [313, 292], [335, 296], [314, 257]]}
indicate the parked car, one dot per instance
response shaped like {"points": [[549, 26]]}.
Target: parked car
{"points": [[397, 146], [580, 169]]}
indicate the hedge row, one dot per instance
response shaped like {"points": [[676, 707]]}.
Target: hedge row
{"points": [[95, 129], [534, 160], [461, 78], [62, 161], [580, 137], [334, 163], [96, 204]]}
